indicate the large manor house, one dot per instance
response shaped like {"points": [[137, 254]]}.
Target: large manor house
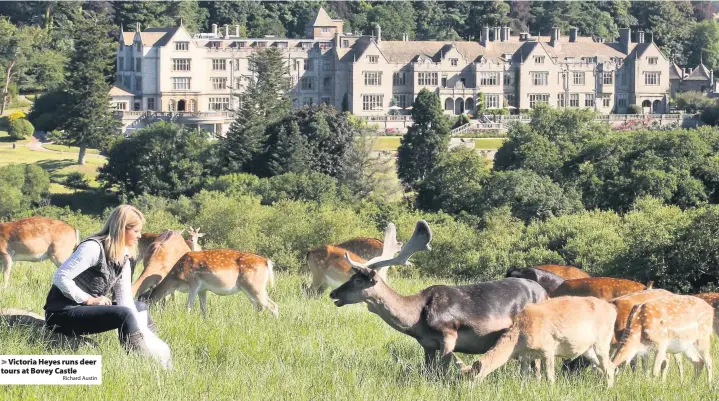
{"points": [[195, 78]]}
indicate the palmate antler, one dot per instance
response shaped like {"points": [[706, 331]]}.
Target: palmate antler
{"points": [[420, 241]]}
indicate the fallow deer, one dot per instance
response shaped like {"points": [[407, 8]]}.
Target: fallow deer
{"points": [[624, 305], [223, 272], [158, 260], [559, 327], [330, 269], [566, 272], [35, 239], [548, 280], [672, 324], [712, 298], [605, 288], [195, 235], [448, 319]]}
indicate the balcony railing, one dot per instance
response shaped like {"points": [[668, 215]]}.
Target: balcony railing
{"points": [[174, 114]]}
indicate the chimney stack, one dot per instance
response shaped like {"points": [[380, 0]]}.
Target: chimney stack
{"points": [[379, 34], [214, 29], [227, 31], [573, 33], [137, 27], [484, 39], [507, 33], [640, 36], [237, 31], [496, 34], [503, 35], [625, 35], [555, 36]]}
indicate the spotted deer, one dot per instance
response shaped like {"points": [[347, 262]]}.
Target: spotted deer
{"points": [[605, 288], [712, 298], [443, 319], [674, 324], [158, 260], [564, 327], [223, 272], [565, 272], [329, 267], [624, 305], [147, 239], [35, 239]]}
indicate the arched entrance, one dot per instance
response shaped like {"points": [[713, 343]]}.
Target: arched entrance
{"points": [[469, 105], [646, 106], [459, 106], [657, 107], [181, 105], [449, 105]]}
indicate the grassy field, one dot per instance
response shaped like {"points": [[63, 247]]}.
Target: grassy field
{"points": [[314, 351], [58, 165], [70, 149], [392, 143]]}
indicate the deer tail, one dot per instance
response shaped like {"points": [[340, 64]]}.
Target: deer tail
{"points": [[270, 273]]}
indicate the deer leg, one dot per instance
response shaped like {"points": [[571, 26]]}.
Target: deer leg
{"points": [[549, 363], [601, 351], [203, 303], [660, 360], [538, 368], [449, 340], [6, 264], [704, 350], [430, 359], [194, 289]]}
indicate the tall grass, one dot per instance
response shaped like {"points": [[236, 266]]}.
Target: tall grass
{"points": [[314, 351]]}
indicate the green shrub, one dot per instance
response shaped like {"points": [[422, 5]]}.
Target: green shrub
{"points": [[20, 129], [76, 180]]}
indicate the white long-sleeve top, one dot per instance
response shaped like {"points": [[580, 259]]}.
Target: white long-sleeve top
{"points": [[85, 256]]}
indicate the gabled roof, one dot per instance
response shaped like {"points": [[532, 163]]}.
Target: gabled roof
{"points": [[322, 19], [118, 91], [157, 36], [675, 72], [701, 73], [128, 38]]}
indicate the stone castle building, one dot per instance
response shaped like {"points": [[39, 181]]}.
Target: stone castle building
{"points": [[193, 79]]}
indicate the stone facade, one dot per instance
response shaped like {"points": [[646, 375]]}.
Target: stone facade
{"points": [[172, 74]]}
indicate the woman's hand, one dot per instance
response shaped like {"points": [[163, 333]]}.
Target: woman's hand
{"points": [[101, 300]]}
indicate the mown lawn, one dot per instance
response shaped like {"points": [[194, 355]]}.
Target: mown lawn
{"points": [[59, 165], [314, 351], [488, 143], [387, 143], [70, 149]]}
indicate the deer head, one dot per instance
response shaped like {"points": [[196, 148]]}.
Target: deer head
{"points": [[361, 285]]}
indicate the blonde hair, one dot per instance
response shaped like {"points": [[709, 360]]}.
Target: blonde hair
{"points": [[121, 218]]}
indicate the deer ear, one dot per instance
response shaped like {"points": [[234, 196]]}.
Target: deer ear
{"points": [[201, 235]]}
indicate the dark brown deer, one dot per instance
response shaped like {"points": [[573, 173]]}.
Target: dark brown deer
{"points": [[444, 319], [35, 239]]}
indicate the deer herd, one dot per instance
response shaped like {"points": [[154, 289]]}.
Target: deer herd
{"points": [[534, 314]]}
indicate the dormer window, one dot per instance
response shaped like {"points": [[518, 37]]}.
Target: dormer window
{"points": [[215, 44], [507, 56], [538, 59], [653, 60], [324, 45], [373, 59], [282, 45], [240, 44], [261, 44], [306, 45]]}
